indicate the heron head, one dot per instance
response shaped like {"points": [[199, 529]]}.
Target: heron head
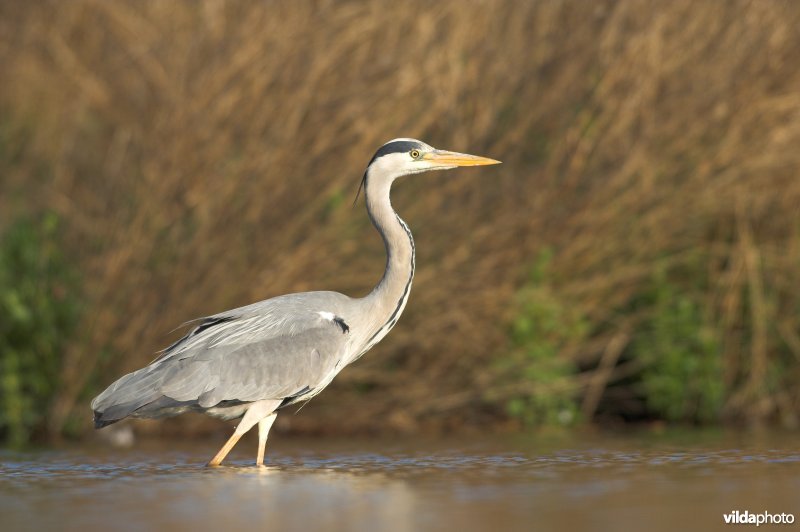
{"points": [[401, 157]]}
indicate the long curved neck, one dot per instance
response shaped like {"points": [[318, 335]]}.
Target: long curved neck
{"points": [[388, 299]]}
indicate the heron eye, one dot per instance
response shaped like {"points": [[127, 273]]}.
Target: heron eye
{"points": [[414, 154]]}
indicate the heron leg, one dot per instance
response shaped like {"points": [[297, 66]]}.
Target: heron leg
{"points": [[263, 429], [257, 411], [220, 456]]}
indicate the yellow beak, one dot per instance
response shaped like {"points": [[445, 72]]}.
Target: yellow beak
{"points": [[451, 159]]}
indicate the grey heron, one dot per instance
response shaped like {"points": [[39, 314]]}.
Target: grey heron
{"points": [[252, 361]]}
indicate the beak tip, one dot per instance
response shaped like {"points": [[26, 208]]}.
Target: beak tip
{"points": [[453, 159]]}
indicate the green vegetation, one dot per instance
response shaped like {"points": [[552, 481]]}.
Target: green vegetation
{"points": [[543, 330], [38, 313], [682, 379], [673, 341]]}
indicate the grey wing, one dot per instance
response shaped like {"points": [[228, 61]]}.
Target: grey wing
{"points": [[274, 353], [277, 367]]}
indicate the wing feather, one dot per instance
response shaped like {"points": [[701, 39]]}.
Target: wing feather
{"points": [[253, 358], [271, 350]]}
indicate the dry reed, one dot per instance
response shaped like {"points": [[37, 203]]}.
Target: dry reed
{"points": [[203, 155]]}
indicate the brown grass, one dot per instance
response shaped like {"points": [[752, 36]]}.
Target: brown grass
{"points": [[203, 155]]}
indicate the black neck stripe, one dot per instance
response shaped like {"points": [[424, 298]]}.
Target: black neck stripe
{"points": [[393, 318]]}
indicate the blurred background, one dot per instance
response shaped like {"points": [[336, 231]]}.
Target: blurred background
{"points": [[634, 260]]}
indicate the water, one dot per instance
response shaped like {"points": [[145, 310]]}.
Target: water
{"points": [[597, 483]]}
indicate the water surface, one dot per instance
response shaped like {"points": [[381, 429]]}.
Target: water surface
{"points": [[590, 483]]}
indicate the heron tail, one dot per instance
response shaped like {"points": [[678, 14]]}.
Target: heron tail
{"points": [[100, 421], [125, 396]]}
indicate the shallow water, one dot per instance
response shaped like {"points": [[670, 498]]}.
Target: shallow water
{"points": [[590, 483]]}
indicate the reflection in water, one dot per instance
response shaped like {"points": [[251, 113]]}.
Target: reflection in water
{"points": [[608, 486]]}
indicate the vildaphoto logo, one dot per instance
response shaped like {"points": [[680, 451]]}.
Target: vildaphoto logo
{"points": [[764, 518]]}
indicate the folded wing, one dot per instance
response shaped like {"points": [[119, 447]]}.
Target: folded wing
{"points": [[274, 353]]}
